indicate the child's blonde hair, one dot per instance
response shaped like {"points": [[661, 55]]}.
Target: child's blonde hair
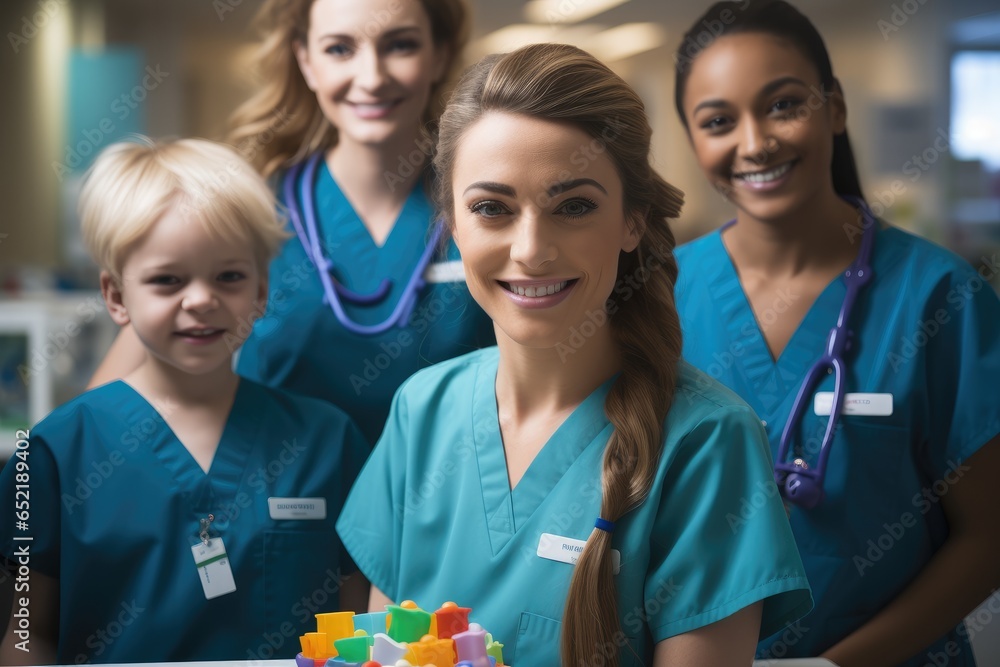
{"points": [[133, 184]]}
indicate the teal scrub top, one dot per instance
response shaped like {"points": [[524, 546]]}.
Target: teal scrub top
{"points": [[300, 345], [926, 331], [432, 516], [116, 503]]}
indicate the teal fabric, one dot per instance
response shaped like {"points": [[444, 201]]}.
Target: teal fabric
{"points": [[927, 331], [432, 517], [116, 501], [300, 345]]}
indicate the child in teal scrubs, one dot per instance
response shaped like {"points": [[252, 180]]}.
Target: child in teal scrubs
{"points": [[903, 542], [355, 85], [181, 513], [592, 497]]}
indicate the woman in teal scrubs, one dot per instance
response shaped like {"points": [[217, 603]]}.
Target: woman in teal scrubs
{"points": [[903, 542], [578, 485], [356, 85]]}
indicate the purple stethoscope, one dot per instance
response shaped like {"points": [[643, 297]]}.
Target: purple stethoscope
{"points": [[303, 208], [797, 482]]}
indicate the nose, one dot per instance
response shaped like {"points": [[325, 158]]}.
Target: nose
{"points": [[199, 298], [532, 245], [755, 142], [370, 72]]}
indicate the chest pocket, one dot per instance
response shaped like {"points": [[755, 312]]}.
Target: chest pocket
{"points": [[538, 644], [302, 577]]}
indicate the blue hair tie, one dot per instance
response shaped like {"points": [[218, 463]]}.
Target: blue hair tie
{"points": [[605, 525]]}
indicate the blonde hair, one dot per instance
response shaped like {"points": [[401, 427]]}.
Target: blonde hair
{"points": [[133, 184], [563, 83], [283, 123]]}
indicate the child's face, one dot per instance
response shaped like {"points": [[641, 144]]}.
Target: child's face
{"points": [[371, 64], [760, 124], [540, 222], [191, 297]]}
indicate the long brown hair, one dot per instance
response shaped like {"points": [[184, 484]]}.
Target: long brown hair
{"points": [[563, 83], [282, 122]]}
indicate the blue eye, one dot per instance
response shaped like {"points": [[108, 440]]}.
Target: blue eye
{"points": [[489, 209], [577, 208], [339, 50], [403, 45]]}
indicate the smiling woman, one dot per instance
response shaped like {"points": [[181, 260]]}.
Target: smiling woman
{"points": [[625, 456], [369, 291], [767, 120]]}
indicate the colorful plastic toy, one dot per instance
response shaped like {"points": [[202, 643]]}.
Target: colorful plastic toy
{"points": [[402, 636]]}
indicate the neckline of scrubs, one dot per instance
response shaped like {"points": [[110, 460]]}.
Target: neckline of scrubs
{"points": [[807, 342], [416, 207], [231, 455], [508, 509]]}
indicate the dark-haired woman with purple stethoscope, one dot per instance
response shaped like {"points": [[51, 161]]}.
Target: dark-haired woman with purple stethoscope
{"points": [[807, 305]]}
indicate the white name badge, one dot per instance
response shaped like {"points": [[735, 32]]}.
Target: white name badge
{"points": [[213, 568], [297, 508], [871, 405], [445, 272], [568, 550]]}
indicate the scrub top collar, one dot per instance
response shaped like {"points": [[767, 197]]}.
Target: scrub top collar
{"points": [[222, 481], [775, 379], [506, 509]]}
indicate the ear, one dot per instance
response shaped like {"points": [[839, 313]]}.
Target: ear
{"points": [[112, 293], [838, 109], [635, 223], [302, 57]]}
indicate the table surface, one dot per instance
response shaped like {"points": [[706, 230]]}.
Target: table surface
{"points": [[804, 662]]}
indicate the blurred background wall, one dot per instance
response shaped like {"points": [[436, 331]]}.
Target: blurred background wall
{"points": [[921, 77]]}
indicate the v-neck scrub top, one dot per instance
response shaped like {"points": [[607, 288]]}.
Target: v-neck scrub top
{"points": [[116, 503], [926, 331], [432, 516], [300, 345]]}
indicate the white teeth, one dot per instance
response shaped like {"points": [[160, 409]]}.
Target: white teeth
{"points": [[541, 290], [766, 176]]}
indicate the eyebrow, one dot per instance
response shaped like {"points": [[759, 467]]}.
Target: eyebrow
{"points": [[491, 186], [395, 32], [564, 186], [766, 90]]}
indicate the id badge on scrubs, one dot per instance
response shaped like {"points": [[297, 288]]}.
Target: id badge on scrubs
{"points": [[568, 550], [871, 405], [213, 568]]}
